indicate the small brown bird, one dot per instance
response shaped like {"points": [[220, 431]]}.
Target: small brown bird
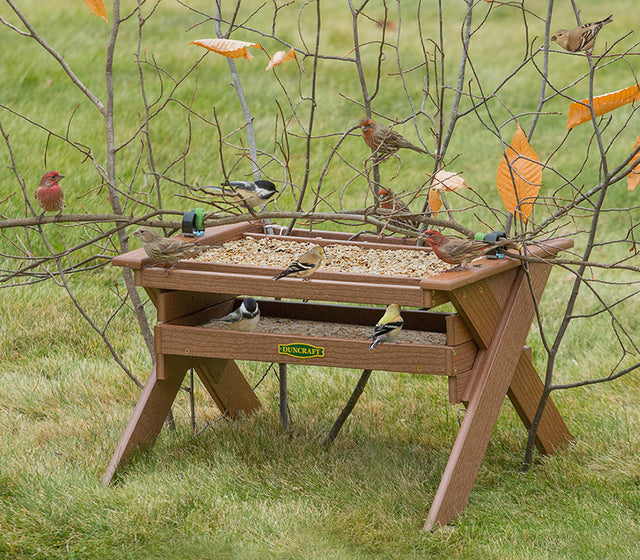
{"points": [[305, 266], [580, 38], [456, 251], [391, 205], [383, 140], [167, 250], [49, 194]]}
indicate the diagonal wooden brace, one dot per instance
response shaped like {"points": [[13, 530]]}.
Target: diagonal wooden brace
{"points": [[496, 365]]}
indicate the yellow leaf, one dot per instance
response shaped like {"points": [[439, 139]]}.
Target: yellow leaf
{"points": [[98, 8], [579, 111], [280, 57], [519, 176], [435, 202], [447, 181], [634, 175], [227, 47]]}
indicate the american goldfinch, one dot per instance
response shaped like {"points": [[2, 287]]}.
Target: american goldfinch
{"points": [[383, 140], [388, 327], [250, 193], [166, 250], [305, 266], [580, 38], [244, 319], [391, 204], [49, 194]]}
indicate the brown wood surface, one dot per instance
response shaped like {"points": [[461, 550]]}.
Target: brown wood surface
{"points": [[147, 418], [338, 352], [525, 392], [490, 389]]}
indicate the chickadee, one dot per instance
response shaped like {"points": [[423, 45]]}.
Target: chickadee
{"points": [[388, 327], [244, 319], [250, 193], [305, 266]]}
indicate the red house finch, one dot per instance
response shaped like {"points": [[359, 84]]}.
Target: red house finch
{"points": [[305, 266], [580, 38], [49, 194], [166, 250], [391, 205], [456, 251], [383, 140]]}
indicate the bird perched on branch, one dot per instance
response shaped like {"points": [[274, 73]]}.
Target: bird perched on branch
{"points": [[49, 193], [249, 193], [392, 205], [580, 38], [244, 319], [383, 140], [461, 251], [305, 266], [388, 327], [166, 250]]}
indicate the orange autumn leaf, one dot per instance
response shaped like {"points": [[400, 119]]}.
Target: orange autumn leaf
{"points": [[227, 47], [435, 202], [280, 57], [98, 8], [634, 175], [447, 181], [579, 111], [519, 176]]}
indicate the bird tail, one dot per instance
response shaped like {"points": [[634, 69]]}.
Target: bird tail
{"points": [[374, 344]]}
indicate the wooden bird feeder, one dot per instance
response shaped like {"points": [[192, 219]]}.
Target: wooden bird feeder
{"points": [[480, 348]]}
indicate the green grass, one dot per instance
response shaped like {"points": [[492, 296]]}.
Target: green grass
{"points": [[242, 489]]}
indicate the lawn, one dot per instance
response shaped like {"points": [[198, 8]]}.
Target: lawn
{"points": [[243, 489]]}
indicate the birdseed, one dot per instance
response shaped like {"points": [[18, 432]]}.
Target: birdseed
{"points": [[279, 253]]}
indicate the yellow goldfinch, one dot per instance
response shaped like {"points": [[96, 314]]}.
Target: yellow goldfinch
{"points": [[305, 266], [388, 327], [580, 38], [244, 319]]}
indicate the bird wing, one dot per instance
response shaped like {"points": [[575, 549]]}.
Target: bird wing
{"points": [[381, 330]]}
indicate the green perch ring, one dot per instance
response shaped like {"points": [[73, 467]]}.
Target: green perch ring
{"points": [[192, 223]]}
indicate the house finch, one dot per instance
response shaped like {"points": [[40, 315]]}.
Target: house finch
{"points": [[391, 204], [580, 38], [383, 140], [166, 250], [245, 192], [305, 266], [49, 194], [244, 319], [388, 327], [456, 251]]}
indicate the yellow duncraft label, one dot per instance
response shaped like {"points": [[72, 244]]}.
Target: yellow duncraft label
{"points": [[301, 351]]}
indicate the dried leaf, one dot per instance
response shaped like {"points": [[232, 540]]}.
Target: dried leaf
{"points": [[227, 47], [579, 111], [435, 202], [519, 176], [278, 58], [98, 8], [634, 175], [447, 181]]}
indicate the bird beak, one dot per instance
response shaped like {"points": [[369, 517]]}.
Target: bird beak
{"points": [[60, 176]]}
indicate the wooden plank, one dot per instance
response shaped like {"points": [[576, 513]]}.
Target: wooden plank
{"points": [[147, 418], [482, 305], [457, 385], [227, 386], [338, 352], [457, 332], [490, 389], [525, 393], [290, 288], [171, 304]]}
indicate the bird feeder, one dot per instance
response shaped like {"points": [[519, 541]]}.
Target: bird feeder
{"points": [[480, 348]]}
